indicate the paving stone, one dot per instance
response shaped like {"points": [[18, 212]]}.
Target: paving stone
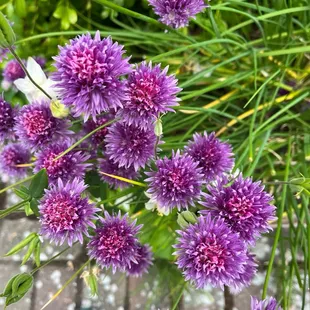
{"points": [[208, 298], [12, 232], [49, 280], [148, 292], [111, 293], [7, 271]]}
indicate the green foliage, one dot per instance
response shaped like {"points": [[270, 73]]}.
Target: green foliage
{"points": [[17, 288]]}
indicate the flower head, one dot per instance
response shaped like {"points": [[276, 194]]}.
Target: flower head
{"points": [[115, 242], [29, 89], [266, 304], [65, 214], [176, 13], [97, 139], [214, 157], [13, 71], [130, 145], [7, 121], [144, 261], [88, 75], [69, 166], [245, 276], [109, 167], [151, 92], [40, 61], [3, 53], [36, 127], [244, 205], [176, 183], [210, 253], [12, 155]]}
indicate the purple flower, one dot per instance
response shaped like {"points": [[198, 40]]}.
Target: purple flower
{"points": [[151, 92], [144, 261], [130, 145], [65, 214], [40, 60], [88, 75], [176, 183], [210, 253], [36, 126], [214, 157], [12, 155], [246, 275], [7, 121], [115, 242], [176, 13], [98, 137], [71, 165], [244, 205], [109, 167], [3, 53], [266, 304], [13, 71]]}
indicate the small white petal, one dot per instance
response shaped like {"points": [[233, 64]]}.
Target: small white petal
{"points": [[36, 71]]}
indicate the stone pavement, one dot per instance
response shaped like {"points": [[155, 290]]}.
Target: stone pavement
{"points": [[116, 292]]}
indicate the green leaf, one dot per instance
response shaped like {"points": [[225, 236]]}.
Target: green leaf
{"points": [[28, 209], [30, 250], [37, 252], [34, 207], [38, 184], [93, 284], [18, 287], [22, 193], [20, 8], [22, 244], [8, 289], [66, 14], [21, 284]]}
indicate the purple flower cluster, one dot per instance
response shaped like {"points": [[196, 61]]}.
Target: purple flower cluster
{"points": [[69, 166], [115, 245], [65, 215], [176, 13], [214, 157], [243, 204], [176, 182], [11, 156], [88, 75], [13, 71], [7, 120], [210, 253], [96, 81], [151, 93], [266, 304], [36, 127]]}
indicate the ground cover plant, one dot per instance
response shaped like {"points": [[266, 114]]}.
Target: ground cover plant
{"points": [[164, 133]]}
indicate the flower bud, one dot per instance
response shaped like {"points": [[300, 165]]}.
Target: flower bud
{"points": [[158, 127], [59, 110], [7, 35]]}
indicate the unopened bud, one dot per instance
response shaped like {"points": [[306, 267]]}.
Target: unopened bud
{"points": [[59, 110], [158, 127], [190, 217], [7, 35]]}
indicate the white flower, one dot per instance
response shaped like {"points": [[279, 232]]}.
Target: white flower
{"points": [[37, 74]]}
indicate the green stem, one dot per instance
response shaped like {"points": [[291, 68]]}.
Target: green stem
{"points": [[27, 73], [142, 17], [15, 184], [51, 259], [10, 210], [279, 223], [85, 137]]}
